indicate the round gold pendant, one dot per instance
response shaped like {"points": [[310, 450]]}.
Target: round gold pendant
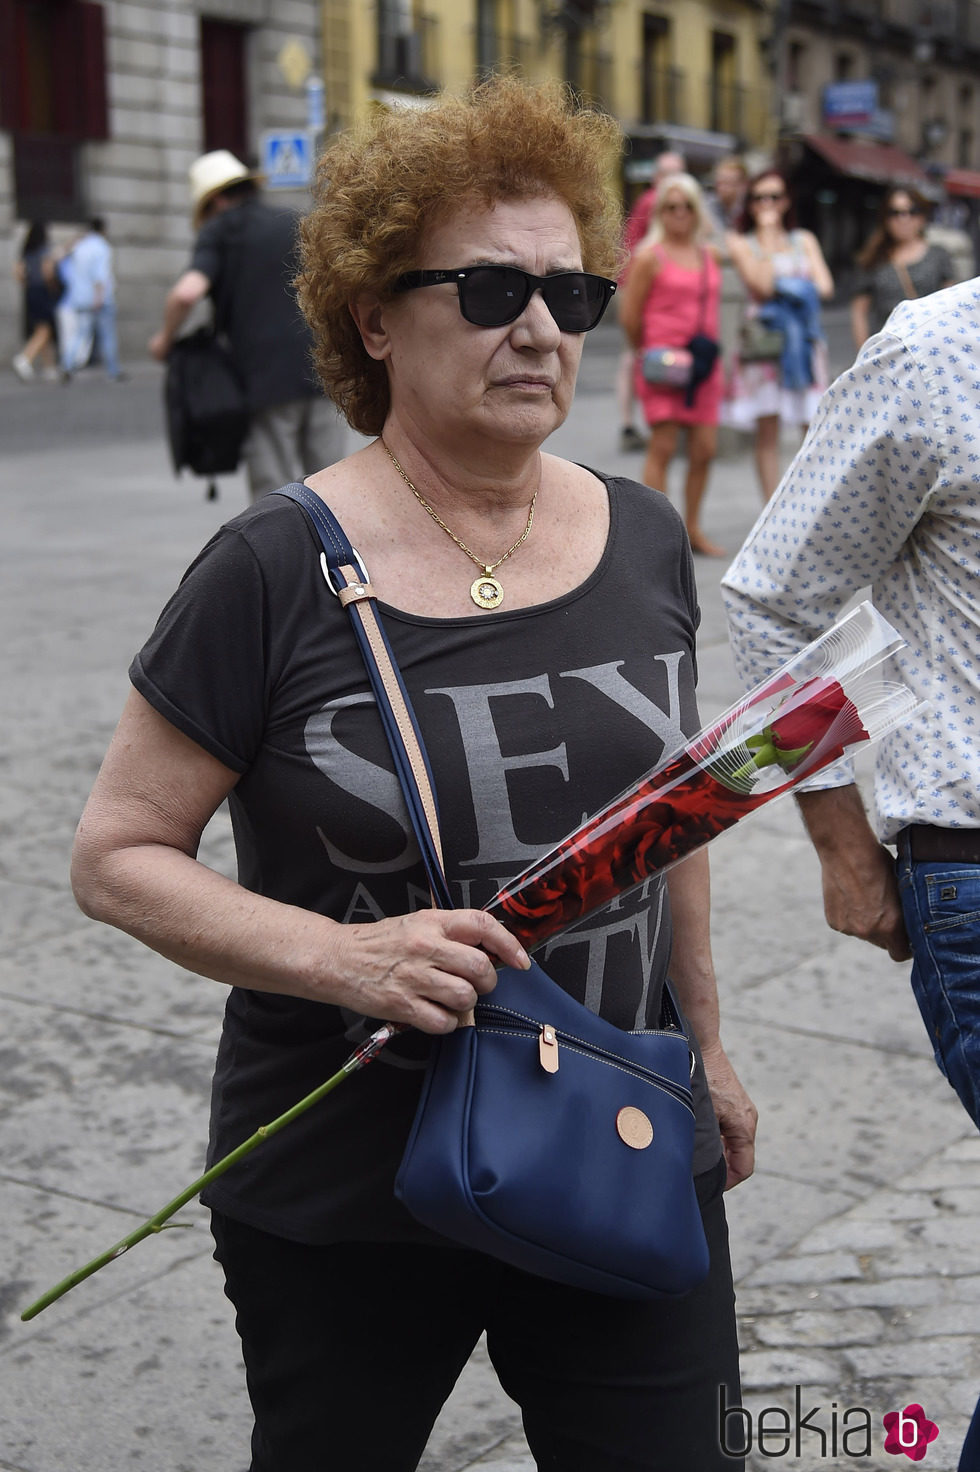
{"points": [[486, 592]]}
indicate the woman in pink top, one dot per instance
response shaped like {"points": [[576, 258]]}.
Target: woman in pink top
{"points": [[671, 293]]}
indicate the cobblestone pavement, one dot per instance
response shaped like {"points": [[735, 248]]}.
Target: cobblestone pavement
{"points": [[854, 1244]]}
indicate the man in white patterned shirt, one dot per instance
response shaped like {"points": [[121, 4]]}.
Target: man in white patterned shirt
{"points": [[886, 492]]}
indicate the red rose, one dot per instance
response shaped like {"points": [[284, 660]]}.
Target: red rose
{"points": [[805, 724], [821, 722]]}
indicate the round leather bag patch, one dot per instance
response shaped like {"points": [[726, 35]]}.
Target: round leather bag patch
{"points": [[633, 1128]]}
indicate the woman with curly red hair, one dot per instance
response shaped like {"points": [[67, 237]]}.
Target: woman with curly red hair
{"points": [[453, 260]]}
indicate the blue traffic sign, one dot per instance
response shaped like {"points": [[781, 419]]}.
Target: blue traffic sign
{"points": [[287, 159]]}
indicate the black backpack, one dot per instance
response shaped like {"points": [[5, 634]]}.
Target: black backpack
{"points": [[207, 414]]}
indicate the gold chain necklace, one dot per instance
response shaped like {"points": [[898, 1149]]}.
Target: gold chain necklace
{"points": [[486, 591]]}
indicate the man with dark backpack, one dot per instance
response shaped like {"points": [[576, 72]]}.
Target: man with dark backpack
{"points": [[244, 259]]}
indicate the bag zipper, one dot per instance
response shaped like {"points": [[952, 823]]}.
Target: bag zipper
{"points": [[551, 1040]]}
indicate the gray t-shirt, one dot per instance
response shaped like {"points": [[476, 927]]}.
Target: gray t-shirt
{"points": [[886, 288], [532, 718]]}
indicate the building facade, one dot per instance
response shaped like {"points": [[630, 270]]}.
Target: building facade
{"points": [[691, 73], [878, 92], [104, 103], [103, 106]]}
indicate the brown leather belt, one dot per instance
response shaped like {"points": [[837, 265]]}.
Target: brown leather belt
{"points": [[926, 845]]}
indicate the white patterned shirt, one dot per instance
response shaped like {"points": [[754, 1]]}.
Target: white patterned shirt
{"points": [[885, 492]]}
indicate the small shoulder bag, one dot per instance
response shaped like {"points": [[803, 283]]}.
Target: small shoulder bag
{"points": [[544, 1136]]}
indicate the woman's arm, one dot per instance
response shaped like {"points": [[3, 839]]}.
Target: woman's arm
{"points": [[822, 278], [134, 866], [185, 294], [693, 975], [641, 273], [756, 271], [861, 319]]}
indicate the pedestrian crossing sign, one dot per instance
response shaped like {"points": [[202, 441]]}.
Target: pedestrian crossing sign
{"points": [[287, 159]]}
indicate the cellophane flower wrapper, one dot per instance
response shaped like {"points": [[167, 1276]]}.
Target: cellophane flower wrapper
{"points": [[814, 710]]}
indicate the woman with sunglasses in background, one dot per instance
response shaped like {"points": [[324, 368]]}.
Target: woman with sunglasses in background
{"points": [[778, 374], [670, 296], [543, 616], [897, 263]]}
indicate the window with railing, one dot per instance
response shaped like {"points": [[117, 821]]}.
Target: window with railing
{"points": [[724, 93], [406, 47], [498, 47], [596, 75], [52, 99], [661, 84], [727, 106], [863, 10], [936, 18], [796, 66]]}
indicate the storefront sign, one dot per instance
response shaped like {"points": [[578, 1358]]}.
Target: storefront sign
{"points": [[850, 104]]}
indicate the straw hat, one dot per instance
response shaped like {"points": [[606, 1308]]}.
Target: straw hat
{"points": [[210, 174]]}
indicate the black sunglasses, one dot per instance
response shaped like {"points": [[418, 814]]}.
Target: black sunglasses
{"points": [[492, 296], [900, 214], [767, 198]]}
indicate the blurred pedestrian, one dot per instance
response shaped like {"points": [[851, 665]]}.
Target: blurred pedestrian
{"points": [[897, 263], [671, 297], [637, 225], [70, 346], [641, 212], [725, 199], [883, 495], [780, 368], [93, 299], [245, 259], [35, 272]]}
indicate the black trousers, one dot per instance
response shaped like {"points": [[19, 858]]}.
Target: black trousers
{"points": [[352, 1349]]}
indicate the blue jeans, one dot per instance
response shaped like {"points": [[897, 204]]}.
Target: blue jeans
{"points": [[941, 903], [100, 323]]}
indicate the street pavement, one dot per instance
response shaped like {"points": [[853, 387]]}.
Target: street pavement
{"points": [[854, 1244]]}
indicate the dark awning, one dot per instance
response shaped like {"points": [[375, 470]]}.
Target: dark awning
{"points": [[963, 182], [880, 163]]}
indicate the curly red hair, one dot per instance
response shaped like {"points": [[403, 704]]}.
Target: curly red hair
{"points": [[384, 183]]}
